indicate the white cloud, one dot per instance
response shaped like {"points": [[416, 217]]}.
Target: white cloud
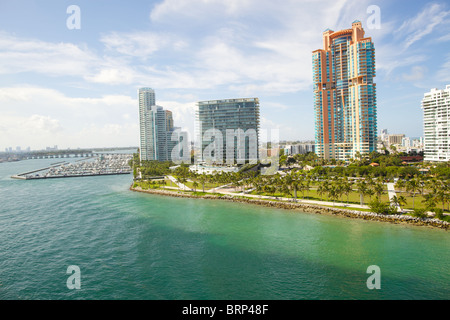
{"points": [[269, 50], [423, 23], [193, 9], [38, 123], [141, 44], [183, 114], [417, 73], [113, 76], [38, 117], [443, 74], [54, 59]]}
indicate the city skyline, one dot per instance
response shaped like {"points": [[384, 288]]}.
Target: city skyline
{"points": [[77, 87]]}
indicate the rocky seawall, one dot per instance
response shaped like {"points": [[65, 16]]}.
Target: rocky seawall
{"points": [[309, 208]]}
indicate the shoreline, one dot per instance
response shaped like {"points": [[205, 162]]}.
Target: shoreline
{"points": [[307, 208]]}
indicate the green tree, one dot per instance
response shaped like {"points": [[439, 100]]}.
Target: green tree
{"points": [[413, 186], [362, 189], [195, 185], [380, 207], [429, 201], [333, 192], [322, 188], [346, 188], [378, 189], [203, 179]]}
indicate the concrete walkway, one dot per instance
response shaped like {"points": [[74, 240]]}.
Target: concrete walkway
{"points": [[179, 184], [299, 200], [392, 194], [316, 202]]}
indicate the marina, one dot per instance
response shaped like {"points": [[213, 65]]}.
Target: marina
{"points": [[110, 164]]}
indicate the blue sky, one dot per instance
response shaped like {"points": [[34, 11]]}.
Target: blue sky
{"points": [[78, 87]]}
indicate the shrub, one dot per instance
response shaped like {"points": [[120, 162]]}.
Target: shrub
{"points": [[439, 214], [419, 213], [379, 207]]}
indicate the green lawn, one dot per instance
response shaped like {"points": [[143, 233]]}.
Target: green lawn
{"points": [[418, 201], [208, 185], [312, 194]]}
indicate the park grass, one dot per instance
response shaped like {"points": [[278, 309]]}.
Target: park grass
{"points": [[353, 197], [418, 202], [208, 185]]}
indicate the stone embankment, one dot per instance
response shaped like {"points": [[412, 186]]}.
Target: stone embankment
{"points": [[309, 208]]}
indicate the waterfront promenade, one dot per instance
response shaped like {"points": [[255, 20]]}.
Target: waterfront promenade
{"points": [[228, 192]]}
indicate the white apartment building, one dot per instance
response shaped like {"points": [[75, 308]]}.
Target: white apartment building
{"points": [[146, 98], [301, 148], [436, 123], [156, 129]]}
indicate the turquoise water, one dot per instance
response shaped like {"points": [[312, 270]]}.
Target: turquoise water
{"points": [[137, 246]]}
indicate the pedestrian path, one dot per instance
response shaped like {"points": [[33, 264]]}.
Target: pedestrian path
{"points": [[392, 194], [314, 202], [179, 184]]}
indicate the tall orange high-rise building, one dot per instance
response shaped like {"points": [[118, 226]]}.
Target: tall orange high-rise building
{"points": [[345, 94]]}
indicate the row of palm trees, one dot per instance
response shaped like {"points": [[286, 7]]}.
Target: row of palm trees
{"points": [[288, 185], [433, 190]]}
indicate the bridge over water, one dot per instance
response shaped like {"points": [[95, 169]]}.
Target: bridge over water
{"points": [[73, 155]]}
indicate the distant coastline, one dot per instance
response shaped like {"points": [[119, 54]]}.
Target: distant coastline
{"points": [[308, 208]]}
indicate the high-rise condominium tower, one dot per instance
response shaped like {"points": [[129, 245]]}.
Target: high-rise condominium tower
{"points": [[228, 130], [146, 98], [345, 94], [436, 124], [156, 128]]}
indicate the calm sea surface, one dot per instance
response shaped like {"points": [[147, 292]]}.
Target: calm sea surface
{"points": [[137, 246]]}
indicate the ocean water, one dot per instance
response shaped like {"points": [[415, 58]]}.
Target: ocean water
{"points": [[130, 245]]}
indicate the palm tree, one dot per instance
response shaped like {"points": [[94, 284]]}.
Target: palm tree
{"points": [[429, 201], [346, 187], [362, 189], [257, 184], [400, 184], [203, 178], [322, 189], [401, 201], [183, 180], [370, 192], [291, 181], [378, 189], [305, 186], [441, 192], [398, 201], [333, 192], [195, 185], [412, 186]]}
